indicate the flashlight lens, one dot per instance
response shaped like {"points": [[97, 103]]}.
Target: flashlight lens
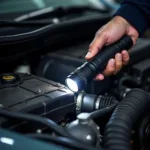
{"points": [[72, 85]]}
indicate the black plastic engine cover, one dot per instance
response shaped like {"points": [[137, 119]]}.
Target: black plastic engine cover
{"points": [[32, 94]]}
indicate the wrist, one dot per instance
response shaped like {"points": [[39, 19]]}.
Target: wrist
{"points": [[121, 20], [133, 14]]}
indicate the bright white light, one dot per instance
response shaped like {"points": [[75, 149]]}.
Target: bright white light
{"points": [[7, 140], [72, 85]]}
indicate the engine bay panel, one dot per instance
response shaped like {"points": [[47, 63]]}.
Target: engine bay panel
{"points": [[35, 95]]}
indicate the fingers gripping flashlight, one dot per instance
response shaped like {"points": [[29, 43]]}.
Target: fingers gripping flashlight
{"points": [[78, 79]]}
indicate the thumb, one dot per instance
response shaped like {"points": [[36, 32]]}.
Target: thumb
{"points": [[96, 45]]}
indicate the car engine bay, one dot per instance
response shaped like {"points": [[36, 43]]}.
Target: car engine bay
{"points": [[35, 103]]}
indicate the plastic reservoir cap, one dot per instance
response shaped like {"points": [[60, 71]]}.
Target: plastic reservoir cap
{"points": [[8, 78], [84, 117]]}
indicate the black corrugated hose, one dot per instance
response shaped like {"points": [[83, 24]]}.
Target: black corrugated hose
{"points": [[117, 133], [106, 101]]}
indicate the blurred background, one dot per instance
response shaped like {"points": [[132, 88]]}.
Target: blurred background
{"points": [[9, 6]]}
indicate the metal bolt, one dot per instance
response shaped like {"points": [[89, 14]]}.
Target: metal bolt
{"points": [[98, 128], [39, 131], [39, 90], [1, 106], [56, 20], [88, 137]]}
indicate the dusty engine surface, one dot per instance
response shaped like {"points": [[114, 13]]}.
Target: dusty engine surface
{"points": [[34, 95]]}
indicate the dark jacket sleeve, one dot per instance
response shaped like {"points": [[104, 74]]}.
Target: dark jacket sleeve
{"points": [[136, 12]]}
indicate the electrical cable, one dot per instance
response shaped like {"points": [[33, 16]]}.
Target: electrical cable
{"points": [[33, 118]]}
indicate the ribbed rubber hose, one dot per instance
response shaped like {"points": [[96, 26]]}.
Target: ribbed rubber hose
{"points": [[118, 130], [106, 101]]}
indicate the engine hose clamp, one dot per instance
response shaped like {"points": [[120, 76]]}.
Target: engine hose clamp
{"points": [[79, 102], [97, 102]]}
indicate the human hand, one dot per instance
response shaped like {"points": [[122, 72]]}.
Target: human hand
{"points": [[108, 34]]}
